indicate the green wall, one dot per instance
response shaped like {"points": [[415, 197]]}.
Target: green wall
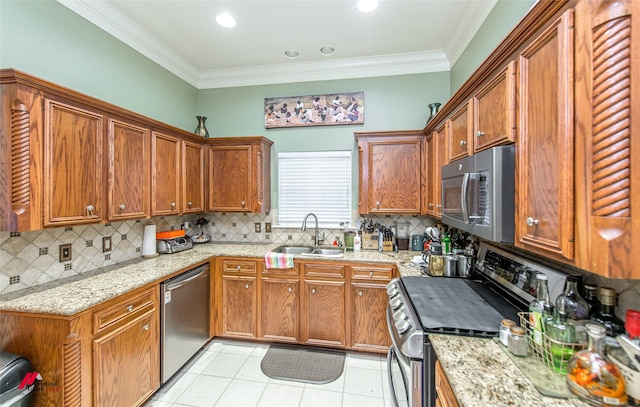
{"points": [[390, 103], [45, 39], [505, 15]]}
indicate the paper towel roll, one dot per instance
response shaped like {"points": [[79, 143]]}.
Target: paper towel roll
{"points": [[149, 248]]}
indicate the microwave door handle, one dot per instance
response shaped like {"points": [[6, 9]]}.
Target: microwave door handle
{"points": [[463, 197]]}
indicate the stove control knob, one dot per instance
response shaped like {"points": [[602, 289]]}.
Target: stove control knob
{"points": [[402, 326], [399, 315], [392, 290], [395, 303]]}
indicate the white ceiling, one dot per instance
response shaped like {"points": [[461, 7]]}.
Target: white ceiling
{"points": [[399, 37]]}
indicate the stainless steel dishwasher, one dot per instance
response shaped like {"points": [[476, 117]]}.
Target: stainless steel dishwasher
{"points": [[184, 317]]}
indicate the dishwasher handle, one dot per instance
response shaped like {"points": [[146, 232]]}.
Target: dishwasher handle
{"points": [[180, 282]]}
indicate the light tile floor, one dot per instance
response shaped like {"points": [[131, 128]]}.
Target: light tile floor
{"points": [[227, 373]]}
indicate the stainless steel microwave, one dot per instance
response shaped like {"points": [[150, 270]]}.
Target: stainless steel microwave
{"points": [[478, 194]]}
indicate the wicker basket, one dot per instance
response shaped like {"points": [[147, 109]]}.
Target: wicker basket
{"points": [[549, 348]]}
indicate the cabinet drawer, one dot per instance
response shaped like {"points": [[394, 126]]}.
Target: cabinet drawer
{"points": [[239, 266], [122, 309], [324, 270], [372, 273], [275, 272]]}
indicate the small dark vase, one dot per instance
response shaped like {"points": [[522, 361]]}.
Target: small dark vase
{"points": [[433, 109], [201, 130]]}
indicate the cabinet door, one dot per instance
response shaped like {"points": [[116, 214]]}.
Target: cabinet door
{"points": [[73, 185], [229, 179], [165, 175], [129, 169], [461, 132], [126, 363], [324, 313], [544, 191], [280, 309], [192, 177], [394, 175], [429, 199], [494, 110], [446, 397], [440, 160], [368, 317], [239, 306]]}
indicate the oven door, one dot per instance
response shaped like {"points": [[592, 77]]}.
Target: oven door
{"points": [[405, 375]]}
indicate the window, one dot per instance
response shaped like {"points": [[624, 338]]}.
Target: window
{"points": [[317, 182]]}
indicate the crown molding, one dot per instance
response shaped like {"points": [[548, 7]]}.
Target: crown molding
{"points": [[466, 32], [111, 20], [347, 68]]}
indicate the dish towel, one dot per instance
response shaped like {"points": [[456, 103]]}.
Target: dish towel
{"points": [[278, 260]]}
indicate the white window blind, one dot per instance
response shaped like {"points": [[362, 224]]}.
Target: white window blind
{"points": [[317, 182]]}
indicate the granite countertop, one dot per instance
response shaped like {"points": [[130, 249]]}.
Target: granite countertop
{"points": [[482, 374], [76, 294]]}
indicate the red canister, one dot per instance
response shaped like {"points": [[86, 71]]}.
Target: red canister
{"points": [[632, 323]]}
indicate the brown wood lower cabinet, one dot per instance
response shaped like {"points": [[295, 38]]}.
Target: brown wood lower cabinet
{"points": [[239, 306], [368, 317], [280, 309], [446, 397], [324, 313], [125, 363]]}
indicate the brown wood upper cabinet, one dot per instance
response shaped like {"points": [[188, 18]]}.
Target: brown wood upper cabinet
{"points": [[389, 172], [435, 157], [128, 171], [545, 171], [73, 145], [494, 113], [239, 174], [461, 132], [192, 177], [165, 175]]}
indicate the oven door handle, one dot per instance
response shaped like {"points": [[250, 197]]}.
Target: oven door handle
{"points": [[392, 387]]}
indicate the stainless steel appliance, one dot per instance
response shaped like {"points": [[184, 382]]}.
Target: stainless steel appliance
{"points": [[174, 244], [502, 285], [184, 318], [17, 380], [478, 194]]}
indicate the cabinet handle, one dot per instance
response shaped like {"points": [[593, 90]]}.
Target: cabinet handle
{"points": [[145, 327], [378, 204], [123, 207], [189, 205], [430, 205], [360, 293], [246, 286], [238, 267], [438, 206], [463, 143], [290, 289], [90, 210], [242, 203], [313, 291], [130, 308], [371, 274], [173, 206], [532, 222], [480, 133]]}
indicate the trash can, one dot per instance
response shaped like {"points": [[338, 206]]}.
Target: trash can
{"points": [[13, 371]]}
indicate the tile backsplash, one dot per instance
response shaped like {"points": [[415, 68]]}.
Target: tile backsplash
{"points": [[32, 258]]}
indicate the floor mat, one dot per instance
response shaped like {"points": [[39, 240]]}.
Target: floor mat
{"points": [[302, 363]]}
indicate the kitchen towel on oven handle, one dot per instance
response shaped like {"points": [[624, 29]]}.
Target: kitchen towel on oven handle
{"points": [[278, 260]]}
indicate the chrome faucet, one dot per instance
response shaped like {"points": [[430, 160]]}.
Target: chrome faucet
{"points": [[316, 239]]}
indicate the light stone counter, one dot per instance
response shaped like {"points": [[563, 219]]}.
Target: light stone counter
{"points": [[481, 374], [76, 294]]}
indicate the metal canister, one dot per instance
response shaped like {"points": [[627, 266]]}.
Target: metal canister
{"points": [[465, 264], [450, 266]]}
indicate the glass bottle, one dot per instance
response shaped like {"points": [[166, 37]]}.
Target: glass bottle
{"points": [[562, 332], [606, 316], [591, 297], [547, 316], [571, 300], [537, 306], [592, 376]]}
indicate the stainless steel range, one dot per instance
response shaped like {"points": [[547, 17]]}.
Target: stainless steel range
{"points": [[503, 284]]}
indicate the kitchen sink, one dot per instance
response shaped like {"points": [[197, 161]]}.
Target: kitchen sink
{"points": [[293, 249], [309, 250]]}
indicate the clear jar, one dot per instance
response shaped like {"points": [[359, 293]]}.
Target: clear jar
{"points": [[517, 341], [505, 329]]}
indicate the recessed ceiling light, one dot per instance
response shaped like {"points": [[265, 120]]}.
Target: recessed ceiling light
{"points": [[327, 50], [226, 20], [292, 54], [367, 6]]}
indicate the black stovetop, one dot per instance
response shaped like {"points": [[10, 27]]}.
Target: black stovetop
{"points": [[458, 306]]}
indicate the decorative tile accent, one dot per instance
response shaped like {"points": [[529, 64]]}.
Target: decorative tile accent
{"points": [[14, 280], [67, 266], [107, 257], [14, 234], [124, 237], [68, 228], [43, 251], [89, 243]]}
